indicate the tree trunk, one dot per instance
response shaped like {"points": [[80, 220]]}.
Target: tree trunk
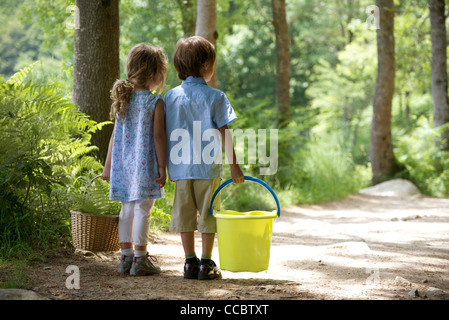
{"points": [[96, 63], [439, 66], [187, 8], [206, 27], [282, 62], [381, 148]]}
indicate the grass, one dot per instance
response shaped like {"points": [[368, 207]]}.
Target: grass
{"points": [[247, 197], [322, 172], [326, 172], [161, 214], [14, 274]]}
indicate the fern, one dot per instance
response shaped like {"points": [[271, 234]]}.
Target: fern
{"points": [[93, 197], [100, 196], [45, 151], [19, 77]]}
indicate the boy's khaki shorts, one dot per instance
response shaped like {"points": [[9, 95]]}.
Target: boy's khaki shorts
{"points": [[193, 196]]}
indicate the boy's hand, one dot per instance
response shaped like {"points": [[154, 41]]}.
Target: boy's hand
{"points": [[162, 177], [237, 174]]}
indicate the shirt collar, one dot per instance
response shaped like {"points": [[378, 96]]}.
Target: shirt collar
{"points": [[191, 79]]}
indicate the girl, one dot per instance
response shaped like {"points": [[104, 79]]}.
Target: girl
{"points": [[136, 161]]}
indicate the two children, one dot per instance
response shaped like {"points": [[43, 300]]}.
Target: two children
{"points": [[137, 152]]}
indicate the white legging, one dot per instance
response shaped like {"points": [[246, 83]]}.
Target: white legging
{"points": [[134, 221]]}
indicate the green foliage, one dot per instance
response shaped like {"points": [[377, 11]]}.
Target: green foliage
{"points": [[51, 17], [325, 172], [24, 38], [342, 94], [412, 29], [322, 170], [161, 214], [92, 196], [16, 34], [160, 218], [426, 163], [14, 274], [44, 142], [246, 197]]}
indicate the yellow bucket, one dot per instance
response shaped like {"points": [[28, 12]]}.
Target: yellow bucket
{"points": [[244, 238]]}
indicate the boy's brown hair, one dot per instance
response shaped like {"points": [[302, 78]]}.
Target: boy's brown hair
{"points": [[190, 55]]}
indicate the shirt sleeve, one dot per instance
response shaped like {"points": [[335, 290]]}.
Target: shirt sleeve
{"points": [[222, 112]]}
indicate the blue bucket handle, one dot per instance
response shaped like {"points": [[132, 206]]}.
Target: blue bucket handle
{"points": [[249, 178]]}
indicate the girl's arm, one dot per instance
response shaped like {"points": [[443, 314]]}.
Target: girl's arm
{"points": [[236, 172], [159, 141], [106, 175]]}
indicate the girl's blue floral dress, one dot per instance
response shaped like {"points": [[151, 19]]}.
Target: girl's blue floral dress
{"points": [[134, 162]]}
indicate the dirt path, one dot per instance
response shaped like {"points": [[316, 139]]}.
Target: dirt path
{"points": [[363, 247]]}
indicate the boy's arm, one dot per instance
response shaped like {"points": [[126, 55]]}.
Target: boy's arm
{"points": [[106, 174], [159, 141], [236, 172]]}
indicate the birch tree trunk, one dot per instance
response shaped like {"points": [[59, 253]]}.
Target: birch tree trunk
{"points": [[96, 63], [381, 148], [206, 27], [283, 72], [439, 66]]}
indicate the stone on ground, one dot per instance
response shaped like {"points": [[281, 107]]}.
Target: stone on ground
{"points": [[393, 188]]}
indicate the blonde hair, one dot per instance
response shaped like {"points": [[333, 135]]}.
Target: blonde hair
{"points": [[144, 63]]}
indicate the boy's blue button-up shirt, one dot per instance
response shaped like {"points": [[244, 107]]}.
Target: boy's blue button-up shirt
{"points": [[193, 113]]}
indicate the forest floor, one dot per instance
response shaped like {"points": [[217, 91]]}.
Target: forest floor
{"points": [[363, 247]]}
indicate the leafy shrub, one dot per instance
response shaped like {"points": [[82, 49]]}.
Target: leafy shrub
{"points": [[326, 172], [44, 144], [321, 171], [247, 197], [90, 196], [425, 162]]}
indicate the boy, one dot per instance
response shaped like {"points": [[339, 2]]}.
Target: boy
{"points": [[191, 110]]}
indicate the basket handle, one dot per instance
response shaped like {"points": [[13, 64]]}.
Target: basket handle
{"points": [[91, 182], [262, 183]]}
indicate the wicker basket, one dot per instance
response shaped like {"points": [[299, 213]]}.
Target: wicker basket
{"points": [[94, 232]]}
